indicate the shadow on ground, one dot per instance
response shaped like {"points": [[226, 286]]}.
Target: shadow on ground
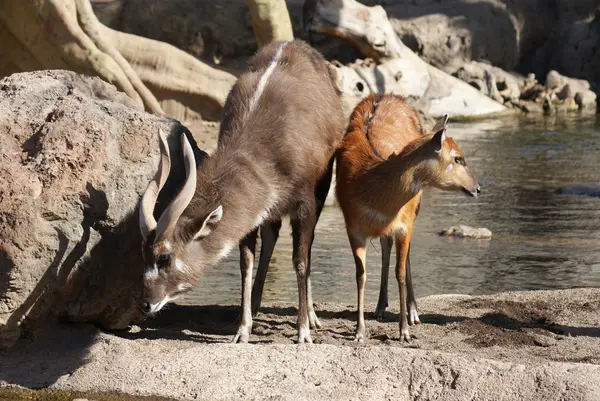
{"points": [[501, 323]]}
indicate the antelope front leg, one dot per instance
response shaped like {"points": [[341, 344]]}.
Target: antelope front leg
{"points": [[402, 246], [269, 233], [247, 251], [359, 250], [413, 315], [313, 320], [303, 227], [386, 252]]}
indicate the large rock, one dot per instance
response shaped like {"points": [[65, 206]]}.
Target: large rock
{"points": [[556, 81], [585, 99], [492, 81], [75, 156], [450, 33], [577, 89]]}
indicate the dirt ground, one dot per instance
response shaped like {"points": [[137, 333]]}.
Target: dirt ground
{"points": [[511, 346], [205, 133], [538, 326]]}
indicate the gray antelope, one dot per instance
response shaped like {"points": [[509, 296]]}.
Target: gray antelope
{"points": [[281, 125]]}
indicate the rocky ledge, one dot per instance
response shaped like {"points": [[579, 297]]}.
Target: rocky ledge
{"points": [[539, 345]]}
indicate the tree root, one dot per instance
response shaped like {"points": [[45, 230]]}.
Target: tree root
{"points": [[65, 34]]}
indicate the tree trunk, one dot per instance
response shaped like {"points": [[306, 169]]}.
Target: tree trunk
{"points": [[270, 21]]}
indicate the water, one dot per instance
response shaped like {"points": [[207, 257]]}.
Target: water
{"points": [[541, 240]]}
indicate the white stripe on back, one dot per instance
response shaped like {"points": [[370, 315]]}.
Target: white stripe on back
{"points": [[262, 83]]}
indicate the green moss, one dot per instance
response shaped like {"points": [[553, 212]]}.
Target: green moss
{"points": [[14, 394]]}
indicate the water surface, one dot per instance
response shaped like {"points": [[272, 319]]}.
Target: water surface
{"points": [[541, 239]]}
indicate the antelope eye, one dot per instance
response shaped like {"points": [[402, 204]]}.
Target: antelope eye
{"points": [[458, 160], [163, 261]]}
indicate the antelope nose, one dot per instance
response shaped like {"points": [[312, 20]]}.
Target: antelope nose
{"points": [[478, 190], [145, 307]]}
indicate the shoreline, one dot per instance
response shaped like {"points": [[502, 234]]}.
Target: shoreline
{"points": [[514, 346]]}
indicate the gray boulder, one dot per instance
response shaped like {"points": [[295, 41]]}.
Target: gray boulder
{"points": [[585, 99], [492, 81], [76, 154], [577, 89], [556, 81]]}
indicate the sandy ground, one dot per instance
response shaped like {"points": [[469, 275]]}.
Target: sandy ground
{"points": [[205, 133], [542, 345]]}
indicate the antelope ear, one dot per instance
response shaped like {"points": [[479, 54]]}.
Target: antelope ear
{"points": [[441, 124], [438, 140], [209, 223]]}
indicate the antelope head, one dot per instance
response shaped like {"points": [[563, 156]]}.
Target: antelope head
{"points": [[173, 248], [451, 170]]}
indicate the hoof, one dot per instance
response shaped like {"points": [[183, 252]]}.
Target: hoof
{"points": [[242, 336], [304, 338], [255, 308], [380, 311], [413, 317], [313, 320], [405, 336]]}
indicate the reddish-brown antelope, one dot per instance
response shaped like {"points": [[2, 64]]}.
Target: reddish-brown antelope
{"points": [[282, 123], [384, 162]]}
